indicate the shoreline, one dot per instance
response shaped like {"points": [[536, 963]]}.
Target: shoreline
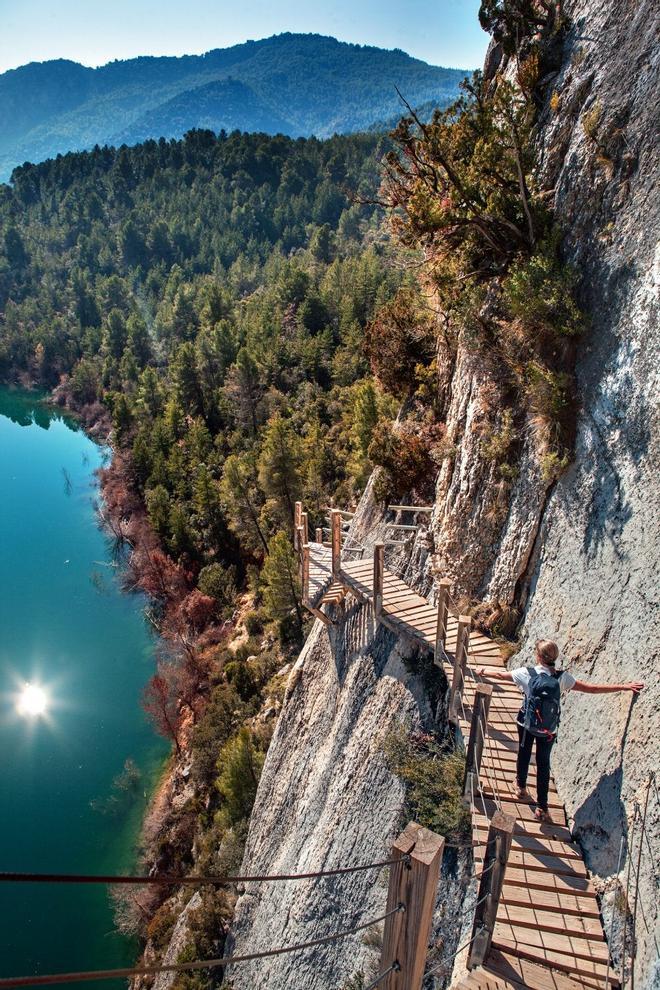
{"points": [[177, 824]]}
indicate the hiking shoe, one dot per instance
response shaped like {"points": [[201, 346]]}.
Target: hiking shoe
{"points": [[542, 816], [523, 794]]}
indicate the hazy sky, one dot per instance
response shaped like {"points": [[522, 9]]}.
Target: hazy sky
{"points": [[443, 32]]}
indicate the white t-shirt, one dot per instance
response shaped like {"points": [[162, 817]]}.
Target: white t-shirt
{"points": [[521, 678]]}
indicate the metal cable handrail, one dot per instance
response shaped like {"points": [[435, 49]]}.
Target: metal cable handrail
{"points": [[112, 974], [211, 879]]}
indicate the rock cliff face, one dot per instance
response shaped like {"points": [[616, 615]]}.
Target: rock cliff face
{"points": [[577, 557], [593, 582]]}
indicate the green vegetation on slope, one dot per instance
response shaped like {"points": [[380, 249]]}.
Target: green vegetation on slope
{"points": [[463, 191], [212, 294]]}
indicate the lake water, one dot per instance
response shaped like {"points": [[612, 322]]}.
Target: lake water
{"points": [[65, 627]]}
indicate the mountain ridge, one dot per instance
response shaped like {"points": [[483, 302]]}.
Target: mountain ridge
{"points": [[297, 84]]}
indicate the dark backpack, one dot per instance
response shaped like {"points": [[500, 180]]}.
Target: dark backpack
{"points": [[541, 708]]}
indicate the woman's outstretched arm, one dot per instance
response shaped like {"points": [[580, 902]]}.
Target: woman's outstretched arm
{"points": [[497, 675], [586, 688]]}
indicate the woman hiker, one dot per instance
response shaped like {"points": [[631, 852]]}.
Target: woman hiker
{"points": [[538, 720]]}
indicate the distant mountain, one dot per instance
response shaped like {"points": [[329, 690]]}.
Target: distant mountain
{"points": [[226, 103], [296, 84]]}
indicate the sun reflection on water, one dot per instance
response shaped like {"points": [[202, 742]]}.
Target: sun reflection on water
{"points": [[32, 701]]}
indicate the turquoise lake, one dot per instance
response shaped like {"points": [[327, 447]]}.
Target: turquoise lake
{"points": [[65, 626]]}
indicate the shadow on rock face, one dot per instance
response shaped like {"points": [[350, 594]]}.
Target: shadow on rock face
{"points": [[351, 634], [600, 824]]}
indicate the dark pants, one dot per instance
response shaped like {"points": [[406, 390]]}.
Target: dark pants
{"points": [[543, 749]]}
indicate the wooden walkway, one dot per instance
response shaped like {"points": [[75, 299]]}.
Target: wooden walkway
{"points": [[548, 932]]}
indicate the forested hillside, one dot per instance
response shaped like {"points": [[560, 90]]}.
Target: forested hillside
{"points": [[212, 294], [295, 84]]}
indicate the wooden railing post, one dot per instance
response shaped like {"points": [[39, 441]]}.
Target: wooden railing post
{"points": [[460, 663], [443, 615], [335, 533], [498, 846], [305, 573], [475, 746], [297, 523], [414, 885], [379, 568], [305, 527], [319, 535]]}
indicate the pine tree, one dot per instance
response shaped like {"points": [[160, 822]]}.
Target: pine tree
{"points": [[365, 414], [184, 378], [239, 492], [279, 466], [281, 582], [242, 389]]}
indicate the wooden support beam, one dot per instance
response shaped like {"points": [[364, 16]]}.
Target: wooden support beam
{"points": [[460, 663], [441, 625], [297, 523], [498, 846], [413, 884], [318, 614], [410, 508], [319, 535], [335, 534], [305, 526], [304, 580], [475, 747], [379, 570]]}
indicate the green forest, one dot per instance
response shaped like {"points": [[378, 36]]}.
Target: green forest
{"points": [[212, 295]]}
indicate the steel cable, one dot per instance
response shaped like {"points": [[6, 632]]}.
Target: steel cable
{"points": [[169, 880], [442, 965], [394, 968], [112, 974]]}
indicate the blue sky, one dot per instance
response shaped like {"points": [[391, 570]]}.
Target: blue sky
{"points": [[443, 32]]}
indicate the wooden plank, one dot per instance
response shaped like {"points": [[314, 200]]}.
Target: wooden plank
{"points": [[525, 812], [506, 791], [552, 922], [571, 944], [521, 876], [568, 963], [412, 609], [536, 829], [540, 845], [564, 903], [528, 974], [528, 860]]}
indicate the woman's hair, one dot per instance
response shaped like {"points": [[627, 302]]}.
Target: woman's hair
{"points": [[547, 651]]}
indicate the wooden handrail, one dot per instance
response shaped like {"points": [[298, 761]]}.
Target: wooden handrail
{"points": [[460, 664], [475, 747], [498, 846], [441, 622], [379, 570], [335, 534]]}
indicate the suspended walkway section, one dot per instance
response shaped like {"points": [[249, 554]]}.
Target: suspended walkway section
{"points": [[537, 923]]}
